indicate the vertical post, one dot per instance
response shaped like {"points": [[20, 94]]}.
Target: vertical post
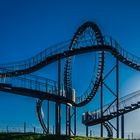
{"points": [[132, 135], [58, 106], [75, 121], [122, 126], [57, 118], [68, 120], [7, 129], [46, 86], [48, 117], [53, 129], [24, 127], [86, 131], [128, 137], [101, 104], [34, 129], [90, 133], [117, 95]]}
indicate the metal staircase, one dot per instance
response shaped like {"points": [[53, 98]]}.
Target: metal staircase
{"points": [[34, 63], [109, 130], [127, 104]]}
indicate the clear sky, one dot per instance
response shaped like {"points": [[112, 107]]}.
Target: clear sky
{"points": [[29, 26]]}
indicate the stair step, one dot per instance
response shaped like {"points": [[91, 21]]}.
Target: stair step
{"points": [[134, 104], [124, 59], [121, 110], [113, 113], [128, 107]]}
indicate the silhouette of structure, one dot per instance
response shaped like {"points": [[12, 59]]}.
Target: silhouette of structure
{"points": [[88, 38]]}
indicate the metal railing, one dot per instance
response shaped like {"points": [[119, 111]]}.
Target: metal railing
{"points": [[25, 64], [64, 46], [34, 83], [107, 41], [125, 101]]}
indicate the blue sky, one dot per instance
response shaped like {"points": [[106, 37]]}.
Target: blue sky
{"points": [[29, 26]]}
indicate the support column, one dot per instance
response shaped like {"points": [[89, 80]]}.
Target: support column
{"points": [[101, 104], [75, 121], [86, 131], [122, 126], [24, 127], [117, 95], [57, 118], [68, 121], [48, 117], [58, 105]]}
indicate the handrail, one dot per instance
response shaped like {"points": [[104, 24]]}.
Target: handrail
{"points": [[28, 84], [108, 41], [64, 46], [31, 77], [113, 43], [123, 102], [24, 64], [33, 82]]}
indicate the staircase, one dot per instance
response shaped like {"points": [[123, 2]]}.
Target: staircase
{"points": [[127, 104]]}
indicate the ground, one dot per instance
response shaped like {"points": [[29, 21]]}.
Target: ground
{"points": [[12, 136]]}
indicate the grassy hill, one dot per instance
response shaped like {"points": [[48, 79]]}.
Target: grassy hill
{"points": [[5, 136]]}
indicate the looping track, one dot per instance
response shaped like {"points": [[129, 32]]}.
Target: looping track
{"points": [[92, 89]]}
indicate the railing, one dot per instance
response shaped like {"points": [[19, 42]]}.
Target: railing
{"points": [[40, 84], [28, 84], [125, 101], [108, 41], [25, 64], [30, 77], [129, 56], [64, 46]]}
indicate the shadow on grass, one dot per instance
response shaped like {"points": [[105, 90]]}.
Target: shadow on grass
{"points": [[30, 136]]}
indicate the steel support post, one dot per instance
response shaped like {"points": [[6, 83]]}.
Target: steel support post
{"points": [[24, 127], [58, 105], [75, 121], [101, 98], [117, 96], [57, 119], [48, 117], [86, 131], [68, 121], [122, 126]]}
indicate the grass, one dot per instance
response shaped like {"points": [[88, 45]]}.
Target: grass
{"points": [[29, 136]]}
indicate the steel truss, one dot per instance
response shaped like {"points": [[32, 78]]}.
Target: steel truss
{"points": [[115, 93]]}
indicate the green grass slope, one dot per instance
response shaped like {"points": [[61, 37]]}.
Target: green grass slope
{"points": [[5, 136]]}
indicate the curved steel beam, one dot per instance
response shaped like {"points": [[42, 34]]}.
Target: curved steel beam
{"points": [[40, 115], [94, 84], [109, 130]]}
